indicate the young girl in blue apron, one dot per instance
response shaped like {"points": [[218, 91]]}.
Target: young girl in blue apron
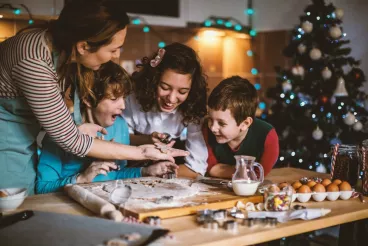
{"points": [[57, 168]]}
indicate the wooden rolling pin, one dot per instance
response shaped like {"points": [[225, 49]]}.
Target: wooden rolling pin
{"points": [[93, 202]]}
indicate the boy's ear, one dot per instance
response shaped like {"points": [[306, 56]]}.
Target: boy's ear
{"points": [[246, 123], [82, 47]]}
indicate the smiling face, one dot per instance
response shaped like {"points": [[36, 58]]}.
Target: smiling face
{"points": [[108, 109], [94, 60], [223, 125], [173, 89]]}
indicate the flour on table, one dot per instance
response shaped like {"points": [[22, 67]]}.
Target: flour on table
{"points": [[147, 190]]}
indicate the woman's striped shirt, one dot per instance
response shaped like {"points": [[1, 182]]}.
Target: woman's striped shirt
{"points": [[27, 70]]}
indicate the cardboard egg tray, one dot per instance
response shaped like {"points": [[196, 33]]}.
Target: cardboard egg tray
{"points": [[321, 196]]}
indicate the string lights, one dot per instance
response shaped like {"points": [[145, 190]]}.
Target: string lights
{"points": [[17, 11]]}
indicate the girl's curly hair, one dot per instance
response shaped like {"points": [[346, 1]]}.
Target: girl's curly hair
{"points": [[181, 59]]}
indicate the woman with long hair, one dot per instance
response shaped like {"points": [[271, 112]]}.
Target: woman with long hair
{"points": [[34, 66]]}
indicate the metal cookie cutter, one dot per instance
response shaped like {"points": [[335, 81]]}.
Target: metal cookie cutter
{"points": [[152, 220], [168, 138], [204, 215], [271, 221], [171, 175], [237, 213], [231, 225], [248, 222], [220, 214], [211, 224]]}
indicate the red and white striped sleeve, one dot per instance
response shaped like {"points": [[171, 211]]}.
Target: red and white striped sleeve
{"points": [[38, 83]]}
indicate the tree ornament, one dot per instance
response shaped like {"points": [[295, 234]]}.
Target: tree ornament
{"points": [[326, 73], [302, 48], [340, 90], [333, 100], [317, 134], [285, 133], [339, 13], [349, 119], [324, 99], [335, 32], [286, 86], [358, 126], [298, 70], [315, 54], [307, 26]]}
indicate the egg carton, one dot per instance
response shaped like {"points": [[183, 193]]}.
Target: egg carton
{"points": [[321, 196]]}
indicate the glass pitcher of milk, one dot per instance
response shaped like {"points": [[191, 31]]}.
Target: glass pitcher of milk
{"points": [[245, 181]]}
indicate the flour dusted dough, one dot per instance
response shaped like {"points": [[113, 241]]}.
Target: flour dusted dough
{"points": [[153, 188]]}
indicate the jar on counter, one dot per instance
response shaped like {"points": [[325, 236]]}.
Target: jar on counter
{"points": [[364, 168], [345, 163], [276, 199]]}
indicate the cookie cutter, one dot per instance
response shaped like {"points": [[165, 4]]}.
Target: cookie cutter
{"points": [[152, 220]]}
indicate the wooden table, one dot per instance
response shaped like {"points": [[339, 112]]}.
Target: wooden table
{"points": [[187, 231]]}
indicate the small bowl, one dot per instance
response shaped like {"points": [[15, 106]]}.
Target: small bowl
{"points": [[304, 197], [332, 196], [345, 195], [319, 197], [14, 200]]}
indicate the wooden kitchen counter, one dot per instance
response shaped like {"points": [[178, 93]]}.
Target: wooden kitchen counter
{"points": [[187, 232]]}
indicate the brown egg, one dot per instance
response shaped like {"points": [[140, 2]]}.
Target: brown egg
{"points": [[282, 185], [311, 183], [345, 186], [337, 181], [319, 188], [296, 185], [332, 188], [326, 182], [3, 194], [274, 189], [304, 189]]}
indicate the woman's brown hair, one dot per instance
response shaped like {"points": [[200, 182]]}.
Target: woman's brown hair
{"points": [[111, 81], [181, 59], [93, 21]]}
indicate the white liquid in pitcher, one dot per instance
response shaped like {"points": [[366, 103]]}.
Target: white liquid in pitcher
{"points": [[245, 187]]}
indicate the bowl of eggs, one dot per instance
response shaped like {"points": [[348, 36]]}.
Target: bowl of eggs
{"points": [[320, 189]]}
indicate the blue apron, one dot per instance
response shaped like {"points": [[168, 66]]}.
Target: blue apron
{"points": [[18, 149]]}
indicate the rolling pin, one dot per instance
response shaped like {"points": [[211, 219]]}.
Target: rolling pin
{"points": [[93, 202]]}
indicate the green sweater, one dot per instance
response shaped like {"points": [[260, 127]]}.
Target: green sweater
{"points": [[252, 145]]}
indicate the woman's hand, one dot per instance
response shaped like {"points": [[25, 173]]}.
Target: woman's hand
{"points": [[96, 168], [91, 129], [159, 169], [161, 152]]}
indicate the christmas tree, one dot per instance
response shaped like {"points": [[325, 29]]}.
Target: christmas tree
{"points": [[317, 102]]}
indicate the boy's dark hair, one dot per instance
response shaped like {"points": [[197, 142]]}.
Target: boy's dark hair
{"points": [[236, 94], [111, 80], [181, 59]]}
